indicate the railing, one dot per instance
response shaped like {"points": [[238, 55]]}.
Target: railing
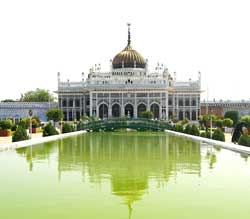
{"points": [[121, 123]]}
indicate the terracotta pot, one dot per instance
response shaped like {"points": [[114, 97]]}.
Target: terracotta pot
{"points": [[4, 133], [34, 130]]}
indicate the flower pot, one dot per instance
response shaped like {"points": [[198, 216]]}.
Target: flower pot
{"points": [[4, 133]]}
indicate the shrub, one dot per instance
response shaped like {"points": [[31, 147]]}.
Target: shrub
{"points": [[194, 130], [219, 123], [244, 140], [86, 118], [187, 129], [67, 128], [234, 115], [218, 135], [205, 134], [20, 134], [246, 120], [24, 123], [228, 122], [146, 115], [185, 121], [49, 130], [179, 128], [6, 124]]}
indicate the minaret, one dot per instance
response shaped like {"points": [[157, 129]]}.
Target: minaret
{"points": [[129, 36]]}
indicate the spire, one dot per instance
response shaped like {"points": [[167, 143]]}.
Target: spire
{"points": [[129, 40]]}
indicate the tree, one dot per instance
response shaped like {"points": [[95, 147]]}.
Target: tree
{"points": [[20, 134], [219, 123], [67, 128], [234, 115], [146, 115], [8, 101], [228, 122], [55, 114], [39, 95]]}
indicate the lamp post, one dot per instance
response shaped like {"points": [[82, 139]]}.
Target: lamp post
{"points": [[30, 114]]}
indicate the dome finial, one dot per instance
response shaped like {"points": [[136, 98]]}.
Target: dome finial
{"points": [[129, 40]]}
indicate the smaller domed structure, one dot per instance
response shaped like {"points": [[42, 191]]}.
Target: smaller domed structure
{"points": [[128, 58]]}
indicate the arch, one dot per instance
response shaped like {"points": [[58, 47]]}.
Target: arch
{"points": [[156, 110], [180, 102], [129, 110], [141, 108], [187, 115], [194, 115], [180, 115], [103, 111], [187, 102], [116, 110], [193, 102]]}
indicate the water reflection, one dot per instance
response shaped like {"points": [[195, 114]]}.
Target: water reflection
{"points": [[129, 161]]}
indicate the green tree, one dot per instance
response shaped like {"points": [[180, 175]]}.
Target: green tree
{"points": [[232, 114], [7, 101], [55, 114], [219, 123], [179, 128], [228, 122], [20, 134], [39, 95]]}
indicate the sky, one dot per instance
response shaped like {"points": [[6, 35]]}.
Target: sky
{"points": [[40, 38]]}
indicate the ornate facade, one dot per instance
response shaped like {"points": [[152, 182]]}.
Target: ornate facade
{"points": [[128, 89]]}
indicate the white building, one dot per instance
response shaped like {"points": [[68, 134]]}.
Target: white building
{"points": [[128, 89]]}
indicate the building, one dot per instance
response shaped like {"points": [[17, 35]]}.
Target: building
{"points": [[128, 89], [19, 110], [219, 108]]}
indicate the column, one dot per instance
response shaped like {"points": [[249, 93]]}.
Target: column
{"points": [[90, 104]]}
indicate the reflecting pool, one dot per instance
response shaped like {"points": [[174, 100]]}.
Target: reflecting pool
{"points": [[124, 175]]}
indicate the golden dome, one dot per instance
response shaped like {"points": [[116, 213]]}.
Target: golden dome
{"points": [[128, 58]]}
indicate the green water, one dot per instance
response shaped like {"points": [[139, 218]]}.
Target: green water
{"points": [[124, 175]]}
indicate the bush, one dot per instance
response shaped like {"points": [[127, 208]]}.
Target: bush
{"points": [[49, 130], [185, 121], [67, 128], [218, 135], [234, 115], [205, 134], [219, 123], [246, 120], [20, 134], [194, 130], [187, 129], [179, 128], [24, 123], [146, 115], [5, 124], [228, 122], [244, 140]]}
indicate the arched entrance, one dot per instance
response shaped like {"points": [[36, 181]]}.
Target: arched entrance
{"points": [[156, 111], [116, 110], [193, 115], [129, 111], [180, 115], [103, 111], [141, 108]]}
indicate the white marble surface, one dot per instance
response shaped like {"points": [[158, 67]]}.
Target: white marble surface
{"points": [[226, 145], [35, 141]]}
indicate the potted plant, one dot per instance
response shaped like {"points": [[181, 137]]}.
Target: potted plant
{"points": [[5, 126]]}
